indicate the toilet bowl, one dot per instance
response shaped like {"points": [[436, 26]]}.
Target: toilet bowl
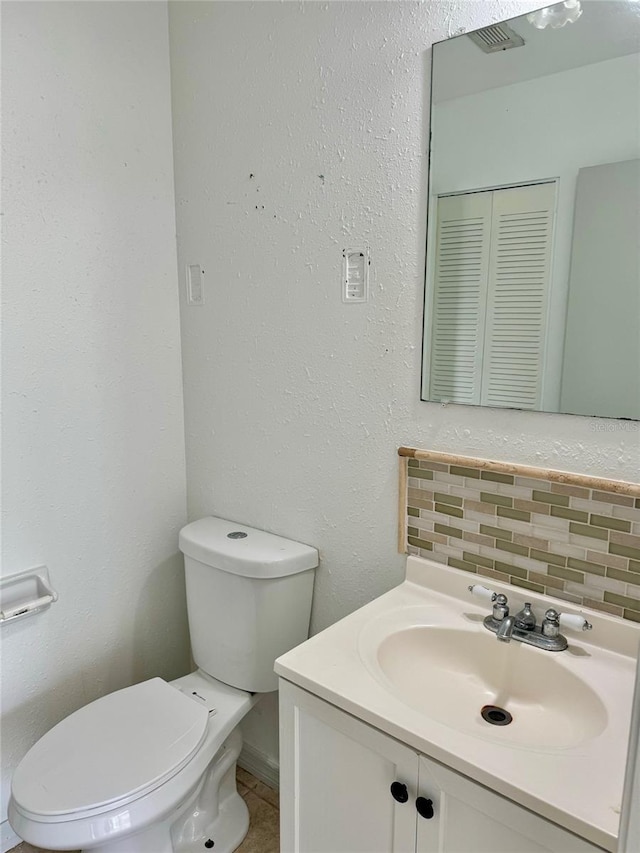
{"points": [[90, 781], [151, 768]]}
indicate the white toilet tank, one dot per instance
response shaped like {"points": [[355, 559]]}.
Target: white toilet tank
{"points": [[248, 599]]}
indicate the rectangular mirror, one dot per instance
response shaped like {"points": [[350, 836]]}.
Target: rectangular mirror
{"points": [[532, 296]]}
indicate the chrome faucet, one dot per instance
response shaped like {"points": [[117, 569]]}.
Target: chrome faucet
{"points": [[505, 629], [525, 620], [523, 628]]}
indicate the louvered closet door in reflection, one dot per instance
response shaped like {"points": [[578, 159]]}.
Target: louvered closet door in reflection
{"points": [[517, 296], [459, 299]]}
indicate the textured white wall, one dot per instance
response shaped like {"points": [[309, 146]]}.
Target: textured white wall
{"points": [[93, 441], [300, 130]]}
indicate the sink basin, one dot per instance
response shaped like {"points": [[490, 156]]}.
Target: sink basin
{"points": [[450, 674]]}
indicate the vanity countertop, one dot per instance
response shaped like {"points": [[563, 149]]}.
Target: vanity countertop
{"points": [[576, 782]]}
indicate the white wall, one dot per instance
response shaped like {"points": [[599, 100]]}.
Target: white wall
{"points": [[295, 403], [93, 442], [545, 128], [602, 342]]}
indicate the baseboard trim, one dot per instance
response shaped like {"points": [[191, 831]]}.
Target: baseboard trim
{"points": [[8, 838], [260, 765]]}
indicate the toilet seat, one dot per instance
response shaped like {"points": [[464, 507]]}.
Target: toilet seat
{"points": [[110, 752], [84, 829]]}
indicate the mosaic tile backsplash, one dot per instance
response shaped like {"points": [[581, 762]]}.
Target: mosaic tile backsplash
{"points": [[575, 543]]}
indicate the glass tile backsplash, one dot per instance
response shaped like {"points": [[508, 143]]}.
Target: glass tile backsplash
{"points": [[576, 543]]}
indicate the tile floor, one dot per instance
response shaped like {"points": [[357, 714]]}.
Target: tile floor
{"points": [[264, 830]]}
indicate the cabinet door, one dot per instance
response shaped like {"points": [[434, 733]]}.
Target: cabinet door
{"points": [[335, 778], [469, 818], [460, 297], [490, 296], [518, 295]]}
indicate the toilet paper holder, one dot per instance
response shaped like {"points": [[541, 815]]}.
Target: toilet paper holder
{"points": [[25, 594]]}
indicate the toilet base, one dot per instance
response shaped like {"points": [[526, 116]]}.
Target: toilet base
{"points": [[213, 812], [227, 831], [217, 812]]}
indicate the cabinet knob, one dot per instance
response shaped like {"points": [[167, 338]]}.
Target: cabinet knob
{"points": [[399, 792], [425, 808]]}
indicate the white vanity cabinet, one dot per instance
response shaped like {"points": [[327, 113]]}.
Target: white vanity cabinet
{"points": [[469, 818], [336, 778], [335, 774]]}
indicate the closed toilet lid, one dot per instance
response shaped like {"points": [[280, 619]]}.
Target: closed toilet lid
{"points": [[115, 747]]}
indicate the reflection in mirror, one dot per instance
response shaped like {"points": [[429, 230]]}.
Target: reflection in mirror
{"points": [[532, 296]]}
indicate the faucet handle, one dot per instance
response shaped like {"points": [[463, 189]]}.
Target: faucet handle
{"points": [[499, 601], [553, 620], [482, 592], [575, 622], [500, 608]]}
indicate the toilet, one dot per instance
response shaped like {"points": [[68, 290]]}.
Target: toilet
{"points": [[151, 768]]}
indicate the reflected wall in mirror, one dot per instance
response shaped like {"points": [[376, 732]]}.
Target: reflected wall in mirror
{"points": [[532, 295]]}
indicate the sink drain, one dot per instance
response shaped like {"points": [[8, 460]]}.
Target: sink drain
{"points": [[495, 715]]}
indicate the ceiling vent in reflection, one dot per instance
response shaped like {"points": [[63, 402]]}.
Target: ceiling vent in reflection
{"points": [[495, 38]]}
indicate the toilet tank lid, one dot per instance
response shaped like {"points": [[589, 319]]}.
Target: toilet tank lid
{"points": [[243, 550]]}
